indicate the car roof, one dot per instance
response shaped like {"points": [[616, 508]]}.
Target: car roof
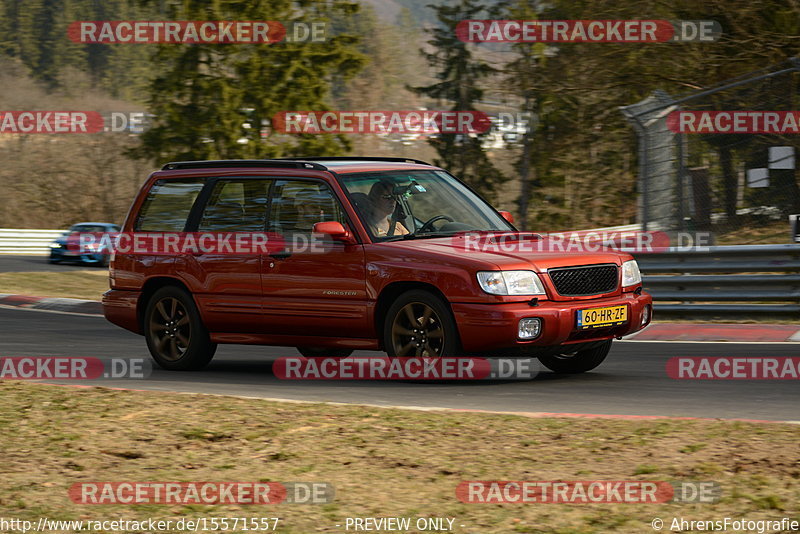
{"points": [[94, 224], [355, 165], [342, 165]]}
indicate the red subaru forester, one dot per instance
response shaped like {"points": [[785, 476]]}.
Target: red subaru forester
{"points": [[411, 261]]}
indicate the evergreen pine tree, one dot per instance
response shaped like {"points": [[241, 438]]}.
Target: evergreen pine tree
{"points": [[459, 76], [215, 100]]}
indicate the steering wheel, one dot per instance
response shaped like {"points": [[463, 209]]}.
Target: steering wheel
{"points": [[428, 225]]}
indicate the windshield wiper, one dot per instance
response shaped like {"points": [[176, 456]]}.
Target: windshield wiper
{"points": [[414, 235]]}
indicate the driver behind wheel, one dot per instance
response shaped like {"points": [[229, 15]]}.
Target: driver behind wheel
{"points": [[382, 204]]}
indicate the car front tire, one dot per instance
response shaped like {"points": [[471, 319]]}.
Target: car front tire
{"points": [[580, 362], [420, 324]]}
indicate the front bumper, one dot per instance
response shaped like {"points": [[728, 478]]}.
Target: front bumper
{"points": [[63, 254], [57, 254], [493, 327]]}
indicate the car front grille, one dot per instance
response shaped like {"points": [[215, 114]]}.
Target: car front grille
{"points": [[584, 280]]}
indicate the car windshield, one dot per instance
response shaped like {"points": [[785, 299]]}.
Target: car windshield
{"points": [[414, 204]]}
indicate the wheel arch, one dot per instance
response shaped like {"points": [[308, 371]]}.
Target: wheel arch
{"points": [[391, 292], [148, 290]]}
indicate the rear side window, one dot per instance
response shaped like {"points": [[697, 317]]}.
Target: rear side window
{"points": [[236, 205], [298, 204], [168, 204]]}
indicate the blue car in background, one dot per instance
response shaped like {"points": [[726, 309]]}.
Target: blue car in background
{"points": [[68, 246]]}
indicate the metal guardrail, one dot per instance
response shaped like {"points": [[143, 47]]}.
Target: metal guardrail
{"points": [[725, 281], [26, 241]]}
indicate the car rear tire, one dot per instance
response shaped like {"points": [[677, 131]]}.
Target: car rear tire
{"points": [[580, 362], [175, 334], [420, 324], [322, 352]]}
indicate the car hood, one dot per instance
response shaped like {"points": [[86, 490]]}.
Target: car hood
{"points": [[524, 254]]}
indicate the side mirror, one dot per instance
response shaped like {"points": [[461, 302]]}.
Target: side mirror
{"points": [[507, 216], [336, 230]]}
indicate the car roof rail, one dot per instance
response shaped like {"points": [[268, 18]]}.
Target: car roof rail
{"points": [[359, 158], [231, 163]]}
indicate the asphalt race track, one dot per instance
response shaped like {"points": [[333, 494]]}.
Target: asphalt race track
{"points": [[37, 264], [632, 381]]}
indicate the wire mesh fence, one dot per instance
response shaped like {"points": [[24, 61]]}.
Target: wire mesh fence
{"points": [[721, 161]]}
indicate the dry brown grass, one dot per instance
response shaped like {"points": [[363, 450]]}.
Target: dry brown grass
{"points": [[89, 284], [383, 462]]}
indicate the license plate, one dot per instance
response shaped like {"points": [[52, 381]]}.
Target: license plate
{"points": [[600, 317]]}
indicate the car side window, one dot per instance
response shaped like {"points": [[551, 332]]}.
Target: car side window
{"points": [[236, 205], [298, 204], [168, 204]]}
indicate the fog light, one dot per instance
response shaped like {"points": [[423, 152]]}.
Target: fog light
{"points": [[645, 315], [529, 328]]}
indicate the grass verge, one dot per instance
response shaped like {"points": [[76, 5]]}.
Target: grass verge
{"points": [[382, 462], [757, 233], [89, 284]]}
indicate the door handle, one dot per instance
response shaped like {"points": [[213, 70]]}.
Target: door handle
{"points": [[281, 255]]}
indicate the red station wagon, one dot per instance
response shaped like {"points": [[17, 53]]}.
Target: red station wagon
{"points": [[414, 263]]}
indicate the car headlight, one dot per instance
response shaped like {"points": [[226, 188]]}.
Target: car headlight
{"points": [[510, 282], [630, 274], [55, 245]]}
